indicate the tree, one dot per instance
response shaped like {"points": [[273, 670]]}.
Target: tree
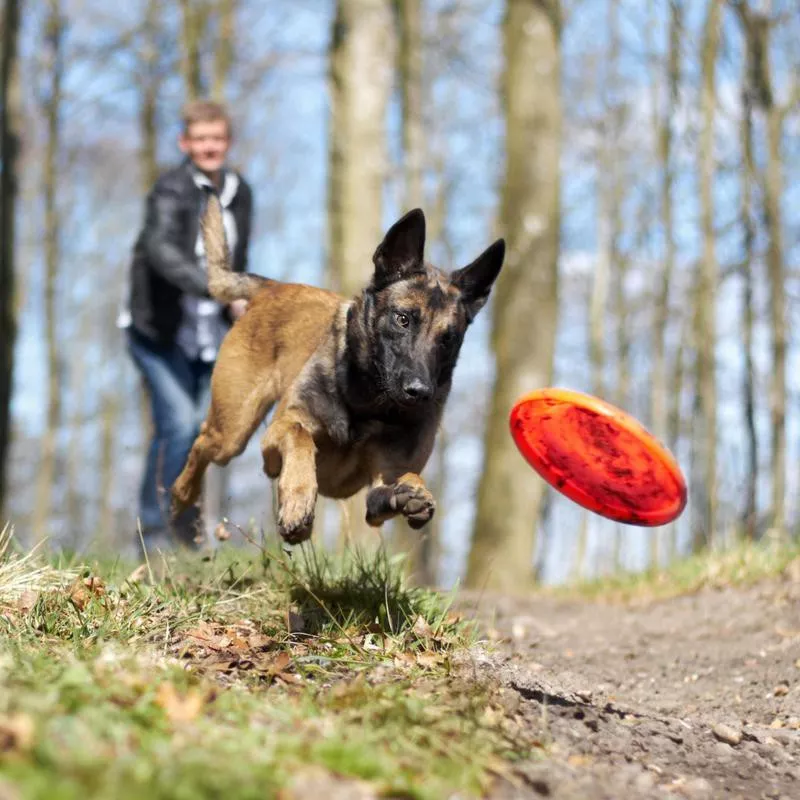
{"points": [[10, 131], [705, 335], [150, 79], [409, 17], [223, 55], [417, 544], [509, 498], [361, 61], [194, 22], [749, 519], [51, 106], [757, 28], [658, 396]]}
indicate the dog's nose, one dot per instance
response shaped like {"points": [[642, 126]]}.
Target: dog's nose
{"points": [[418, 390]]}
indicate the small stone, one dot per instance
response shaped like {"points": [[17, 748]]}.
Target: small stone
{"points": [[698, 789], [727, 734], [781, 690]]}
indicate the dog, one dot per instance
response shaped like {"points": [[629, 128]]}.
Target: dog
{"points": [[358, 385]]}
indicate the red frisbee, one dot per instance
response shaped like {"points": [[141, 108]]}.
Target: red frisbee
{"points": [[598, 456]]}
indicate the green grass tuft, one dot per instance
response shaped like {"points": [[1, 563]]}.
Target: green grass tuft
{"points": [[744, 564], [230, 674]]}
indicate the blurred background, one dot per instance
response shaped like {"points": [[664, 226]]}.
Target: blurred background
{"points": [[641, 157]]}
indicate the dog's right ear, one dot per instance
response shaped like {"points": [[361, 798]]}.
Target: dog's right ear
{"points": [[400, 254]]}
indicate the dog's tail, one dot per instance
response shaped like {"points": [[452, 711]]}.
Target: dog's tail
{"points": [[224, 284]]}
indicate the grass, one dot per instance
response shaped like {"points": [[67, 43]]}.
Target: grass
{"points": [[741, 565], [236, 675]]}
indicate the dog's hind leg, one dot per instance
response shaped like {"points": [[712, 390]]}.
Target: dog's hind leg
{"points": [[290, 456], [223, 436]]}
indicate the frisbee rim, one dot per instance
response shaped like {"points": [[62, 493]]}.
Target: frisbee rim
{"points": [[624, 422]]}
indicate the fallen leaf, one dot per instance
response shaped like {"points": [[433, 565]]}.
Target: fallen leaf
{"points": [[83, 589], [16, 733], [180, 709], [138, 575], [208, 636], [221, 533], [27, 600], [404, 659], [422, 629], [429, 660]]}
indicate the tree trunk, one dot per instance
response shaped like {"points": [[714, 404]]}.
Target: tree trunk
{"points": [[526, 298], [420, 546], [361, 74], [110, 412], [54, 32], [150, 87], [659, 386], [10, 129], [223, 56], [409, 15], [675, 416], [749, 517], [74, 467], [194, 17], [705, 481], [773, 190]]}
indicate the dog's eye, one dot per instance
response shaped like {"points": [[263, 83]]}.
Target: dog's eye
{"points": [[402, 320]]}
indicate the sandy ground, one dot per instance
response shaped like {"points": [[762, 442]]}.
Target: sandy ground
{"points": [[693, 697]]}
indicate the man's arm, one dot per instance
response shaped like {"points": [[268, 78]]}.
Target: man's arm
{"points": [[161, 239]]}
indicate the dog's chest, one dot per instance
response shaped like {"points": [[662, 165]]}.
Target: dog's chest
{"points": [[341, 472]]}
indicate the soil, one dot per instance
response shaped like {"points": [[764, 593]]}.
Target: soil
{"points": [[693, 697]]}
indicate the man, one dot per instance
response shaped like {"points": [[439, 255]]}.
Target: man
{"points": [[174, 328]]}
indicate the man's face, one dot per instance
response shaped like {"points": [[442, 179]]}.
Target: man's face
{"points": [[206, 144]]}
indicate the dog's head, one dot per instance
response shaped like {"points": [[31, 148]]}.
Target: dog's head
{"points": [[409, 323]]}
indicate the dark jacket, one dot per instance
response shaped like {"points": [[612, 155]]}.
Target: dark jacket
{"points": [[164, 265]]}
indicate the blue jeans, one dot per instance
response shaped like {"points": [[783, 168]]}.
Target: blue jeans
{"points": [[180, 390]]}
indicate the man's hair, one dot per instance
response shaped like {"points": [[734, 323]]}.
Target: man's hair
{"points": [[205, 111]]}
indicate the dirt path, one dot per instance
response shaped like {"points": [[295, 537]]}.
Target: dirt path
{"points": [[695, 697]]}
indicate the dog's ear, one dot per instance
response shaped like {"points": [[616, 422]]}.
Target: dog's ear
{"points": [[476, 279], [400, 254]]}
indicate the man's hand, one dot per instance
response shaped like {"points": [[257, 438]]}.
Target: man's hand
{"points": [[237, 308]]}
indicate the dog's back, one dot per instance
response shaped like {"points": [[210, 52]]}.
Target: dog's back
{"points": [[284, 325]]}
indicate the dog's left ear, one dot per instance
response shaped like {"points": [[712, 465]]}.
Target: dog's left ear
{"points": [[400, 254], [476, 279]]}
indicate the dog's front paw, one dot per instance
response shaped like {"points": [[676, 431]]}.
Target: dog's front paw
{"points": [[411, 498], [295, 514]]}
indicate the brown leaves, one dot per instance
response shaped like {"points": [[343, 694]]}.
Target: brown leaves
{"points": [[84, 589], [16, 733], [182, 708], [222, 649]]}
